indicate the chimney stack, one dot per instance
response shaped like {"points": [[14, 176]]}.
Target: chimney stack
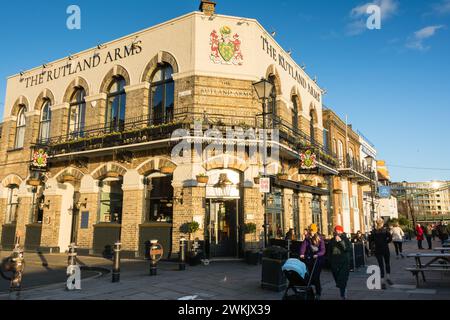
{"points": [[208, 7]]}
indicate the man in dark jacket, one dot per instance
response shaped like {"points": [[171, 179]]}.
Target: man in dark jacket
{"points": [[381, 238], [340, 250], [442, 232]]}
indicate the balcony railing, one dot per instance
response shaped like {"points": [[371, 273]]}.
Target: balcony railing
{"points": [[146, 129], [353, 168]]}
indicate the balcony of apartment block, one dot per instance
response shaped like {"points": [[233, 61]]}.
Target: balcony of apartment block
{"points": [[350, 168]]}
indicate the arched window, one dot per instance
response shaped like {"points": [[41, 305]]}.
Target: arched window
{"points": [[12, 202], [111, 200], [294, 114], [159, 199], [77, 113], [20, 129], [44, 126], [311, 126], [162, 95], [115, 113]]}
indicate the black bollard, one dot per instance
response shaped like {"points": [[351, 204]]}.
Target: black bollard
{"points": [[116, 266], [183, 249], [154, 252]]}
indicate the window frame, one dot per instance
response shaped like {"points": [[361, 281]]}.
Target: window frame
{"points": [[78, 104], [9, 204], [19, 141], [164, 83], [47, 104], [111, 96]]}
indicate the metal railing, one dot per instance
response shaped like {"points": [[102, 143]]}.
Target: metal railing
{"points": [[355, 165]]}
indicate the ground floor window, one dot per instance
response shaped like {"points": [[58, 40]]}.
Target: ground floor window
{"points": [[159, 199], [12, 202], [111, 201], [296, 214], [274, 213], [317, 212]]}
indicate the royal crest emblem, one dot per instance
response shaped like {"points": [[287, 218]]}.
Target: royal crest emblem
{"points": [[225, 47], [40, 159], [308, 160]]}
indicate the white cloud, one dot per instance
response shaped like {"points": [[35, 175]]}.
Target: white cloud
{"points": [[416, 41], [358, 15], [442, 8]]}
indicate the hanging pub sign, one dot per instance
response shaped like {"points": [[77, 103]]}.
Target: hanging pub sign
{"points": [[308, 160], [40, 158]]}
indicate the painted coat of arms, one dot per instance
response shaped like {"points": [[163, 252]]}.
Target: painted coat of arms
{"points": [[226, 47], [308, 160], [40, 159]]}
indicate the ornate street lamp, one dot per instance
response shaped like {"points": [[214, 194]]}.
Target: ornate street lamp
{"points": [[370, 162], [264, 89]]}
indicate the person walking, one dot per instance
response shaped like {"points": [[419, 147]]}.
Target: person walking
{"points": [[420, 237], [312, 251], [429, 236], [340, 250], [397, 238], [382, 237], [442, 232]]}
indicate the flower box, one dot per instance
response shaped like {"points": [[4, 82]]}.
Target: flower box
{"points": [[202, 179], [307, 182], [34, 182], [167, 169], [283, 176]]}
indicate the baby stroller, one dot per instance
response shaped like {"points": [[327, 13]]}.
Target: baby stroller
{"points": [[299, 285]]}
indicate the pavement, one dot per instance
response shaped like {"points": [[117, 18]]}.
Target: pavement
{"points": [[232, 280]]}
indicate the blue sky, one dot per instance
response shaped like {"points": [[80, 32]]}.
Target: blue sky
{"points": [[392, 83]]}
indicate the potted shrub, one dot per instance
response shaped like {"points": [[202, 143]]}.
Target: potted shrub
{"points": [[202, 178], [190, 228], [167, 169], [252, 256]]}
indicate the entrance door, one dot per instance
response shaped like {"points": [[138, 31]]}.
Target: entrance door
{"points": [[223, 228]]}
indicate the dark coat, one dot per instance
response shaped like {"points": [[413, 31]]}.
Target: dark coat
{"points": [[381, 239], [339, 255]]}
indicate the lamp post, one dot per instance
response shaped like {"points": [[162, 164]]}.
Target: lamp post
{"points": [[264, 89], [409, 208], [370, 162]]}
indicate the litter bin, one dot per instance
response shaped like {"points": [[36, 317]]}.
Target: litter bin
{"points": [[273, 277]]}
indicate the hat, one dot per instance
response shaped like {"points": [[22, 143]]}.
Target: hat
{"points": [[339, 229], [313, 228]]}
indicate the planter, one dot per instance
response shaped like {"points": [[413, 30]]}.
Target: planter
{"points": [[167, 170], [283, 177], [202, 179], [253, 257], [323, 185], [337, 191], [68, 178], [273, 277], [112, 175], [34, 182], [257, 180], [307, 182]]}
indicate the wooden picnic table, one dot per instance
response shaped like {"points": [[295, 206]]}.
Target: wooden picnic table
{"points": [[438, 262], [443, 249]]}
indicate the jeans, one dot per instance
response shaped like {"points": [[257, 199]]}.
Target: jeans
{"points": [[315, 281], [384, 260], [398, 247], [419, 244]]}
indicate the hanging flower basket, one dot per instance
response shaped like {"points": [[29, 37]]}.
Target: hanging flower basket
{"points": [[68, 178], [283, 176], [307, 182], [167, 169], [202, 179], [257, 180], [112, 175], [323, 185], [34, 182], [337, 191]]}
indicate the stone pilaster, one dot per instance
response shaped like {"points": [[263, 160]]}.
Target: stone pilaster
{"points": [[254, 213], [85, 237], [288, 216], [132, 217], [305, 209]]}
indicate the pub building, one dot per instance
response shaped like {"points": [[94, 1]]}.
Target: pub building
{"points": [[86, 152]]}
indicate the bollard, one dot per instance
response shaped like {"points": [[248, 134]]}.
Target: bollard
{"points": [[116, 266], [18, 262], [182, 265], [153, 262]]}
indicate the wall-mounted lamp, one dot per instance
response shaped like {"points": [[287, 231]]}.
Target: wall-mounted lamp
{"points": [[178, 199], [44, 204], [80, 204]]}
